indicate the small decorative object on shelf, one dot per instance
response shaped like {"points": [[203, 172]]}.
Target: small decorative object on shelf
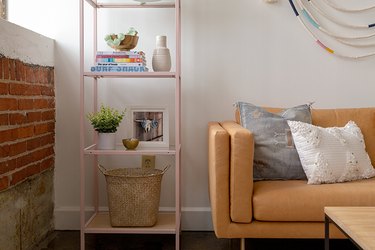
{"points": [[121, 42], [161, 58], [106, 141], [130, 143], [105, 122], [150, 125]]}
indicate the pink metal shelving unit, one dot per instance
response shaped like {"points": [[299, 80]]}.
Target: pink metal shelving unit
{"points": [[168, 223]]}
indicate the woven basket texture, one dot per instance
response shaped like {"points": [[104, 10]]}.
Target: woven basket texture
{"points": [[133, 196]]}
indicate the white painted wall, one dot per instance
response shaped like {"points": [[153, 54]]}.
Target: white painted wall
{"points": [[25, 45], [231, 50]]}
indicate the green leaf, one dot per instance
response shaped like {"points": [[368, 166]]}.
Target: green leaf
{"points": [[106, 120]]}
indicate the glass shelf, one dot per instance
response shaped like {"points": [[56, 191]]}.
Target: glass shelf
{"points": [[100, 223], [120, 150], [131, 4], [130, 75]]}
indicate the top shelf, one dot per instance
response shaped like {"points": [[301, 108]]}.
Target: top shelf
{"points": [[131, 4]]}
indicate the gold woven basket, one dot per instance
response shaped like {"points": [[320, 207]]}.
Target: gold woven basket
{"points": [[133, 195]]}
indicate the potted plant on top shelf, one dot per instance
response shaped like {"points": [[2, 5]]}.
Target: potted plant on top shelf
{"points": [[106, 122]]}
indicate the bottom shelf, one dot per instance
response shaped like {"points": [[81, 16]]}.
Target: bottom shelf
{"points": [[100, 223]]}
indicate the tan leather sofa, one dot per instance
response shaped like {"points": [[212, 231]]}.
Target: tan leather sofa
{"points": [[242, 208]]}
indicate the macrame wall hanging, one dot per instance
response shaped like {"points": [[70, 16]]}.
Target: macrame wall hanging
{"points": [[325, 19]]}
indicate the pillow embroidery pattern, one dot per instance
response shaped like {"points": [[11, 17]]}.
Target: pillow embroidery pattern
{"points": [[330, 155], [275, 156]]}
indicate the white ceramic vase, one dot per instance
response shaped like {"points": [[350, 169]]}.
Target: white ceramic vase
{"points": [[106, 141], [161, 58]]}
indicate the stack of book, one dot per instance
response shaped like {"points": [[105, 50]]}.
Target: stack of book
{"points": [[120, 61]]}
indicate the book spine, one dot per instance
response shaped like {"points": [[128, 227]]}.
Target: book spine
{"points": [[119, 69], [120, 53], [121, 60], [120, 64], [120, 56]]}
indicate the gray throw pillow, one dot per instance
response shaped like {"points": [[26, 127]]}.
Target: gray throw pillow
{"points": [[275, 156]]}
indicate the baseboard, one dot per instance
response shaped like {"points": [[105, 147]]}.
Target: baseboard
{"points": [[192, 218], [67, 218], [196, 219]]}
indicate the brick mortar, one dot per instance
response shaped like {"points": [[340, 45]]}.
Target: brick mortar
{"points": [[10, 81], [25, 125], [27, 139], [28, 96], [26, 110]]}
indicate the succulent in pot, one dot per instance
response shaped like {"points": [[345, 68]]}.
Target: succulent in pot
{"points": [[106, 122]]}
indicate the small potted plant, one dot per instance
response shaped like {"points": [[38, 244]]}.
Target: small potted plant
{"points": [[106, 122]]}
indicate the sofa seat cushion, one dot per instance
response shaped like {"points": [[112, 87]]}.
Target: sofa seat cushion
{"points": [[294, 200]]}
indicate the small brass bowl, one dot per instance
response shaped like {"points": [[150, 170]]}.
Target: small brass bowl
{"points": [[130, 143]]}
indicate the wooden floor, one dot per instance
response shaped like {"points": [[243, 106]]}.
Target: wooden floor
{"points": [[69, 240]]}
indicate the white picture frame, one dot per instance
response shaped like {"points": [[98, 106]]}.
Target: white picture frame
{"points": [[150, 125]]}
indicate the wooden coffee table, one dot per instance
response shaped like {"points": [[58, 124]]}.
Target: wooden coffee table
{"points": [[357, 223]]}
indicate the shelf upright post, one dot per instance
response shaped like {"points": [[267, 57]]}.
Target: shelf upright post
{"points": [[95, 107], [93, 3], [81, 125], [178, 123]]}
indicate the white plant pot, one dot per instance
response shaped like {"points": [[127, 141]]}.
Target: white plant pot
{"points": [[106, 141]]}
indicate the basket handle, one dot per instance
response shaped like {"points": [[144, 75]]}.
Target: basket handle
{"points": [[102, 169], [166, 168]]}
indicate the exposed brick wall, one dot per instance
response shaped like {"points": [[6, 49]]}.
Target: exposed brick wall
{"points": [[27, 120]]}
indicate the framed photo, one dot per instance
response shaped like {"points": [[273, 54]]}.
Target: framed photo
{"points": [[150, 125]]}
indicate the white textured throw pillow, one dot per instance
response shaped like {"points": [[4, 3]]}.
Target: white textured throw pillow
{"points": [[330, 155]]}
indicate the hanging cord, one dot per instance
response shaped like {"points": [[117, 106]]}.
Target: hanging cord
{"points": [[328, 2], [320, 43]]}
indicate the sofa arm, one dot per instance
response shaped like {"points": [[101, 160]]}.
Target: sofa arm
{"points": [[241, 171], [230, 151]]}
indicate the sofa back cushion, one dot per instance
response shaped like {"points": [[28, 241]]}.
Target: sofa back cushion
{"points": [[363, 117], [275, 157]]}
